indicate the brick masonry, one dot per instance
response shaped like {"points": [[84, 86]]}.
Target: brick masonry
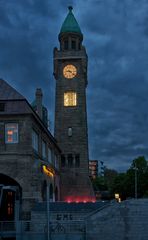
{"points": [[74, 180], [19, 162]]}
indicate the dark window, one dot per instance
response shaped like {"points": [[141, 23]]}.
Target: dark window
{"points": [[2, 107], [73, 45], [77, 160], [63, 162], [66, 45], [51, 193], [70, 160], [79, 46], [44, 190]]}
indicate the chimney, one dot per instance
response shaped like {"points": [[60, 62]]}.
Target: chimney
{"points": [[39, 96]]}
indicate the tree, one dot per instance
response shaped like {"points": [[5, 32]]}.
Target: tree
{"points": [[109, 177], [124, 183], [99, 184], [119, 185], [140, 165]]}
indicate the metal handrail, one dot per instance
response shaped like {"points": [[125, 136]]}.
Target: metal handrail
{"points": [[7, 226]]}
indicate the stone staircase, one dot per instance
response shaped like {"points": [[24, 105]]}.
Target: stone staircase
{"points": [[125, 221]]}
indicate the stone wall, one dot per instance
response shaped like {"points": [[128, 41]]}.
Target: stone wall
{"points": [[112, 221], [124, 221]]}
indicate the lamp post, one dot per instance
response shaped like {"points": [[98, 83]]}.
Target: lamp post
{"points": [[48, 199]]}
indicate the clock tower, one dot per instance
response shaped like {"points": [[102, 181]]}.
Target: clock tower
{"points": [[70, 71]]}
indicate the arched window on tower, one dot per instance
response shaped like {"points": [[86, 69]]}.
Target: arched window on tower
{"points": [[77, 160], [73, 45], [79, 45], [63, 160], [70, 160], [66, 45]]}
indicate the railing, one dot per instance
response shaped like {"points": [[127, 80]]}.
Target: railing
{"points": [[7, 226], [39, 230]]}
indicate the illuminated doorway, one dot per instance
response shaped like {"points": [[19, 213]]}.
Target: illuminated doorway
{"points": [[10, 194]]}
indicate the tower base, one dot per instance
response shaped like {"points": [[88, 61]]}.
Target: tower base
{"points": [[76, 188]]}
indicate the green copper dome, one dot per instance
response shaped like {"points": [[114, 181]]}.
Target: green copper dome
{"points": [[70, 24]]}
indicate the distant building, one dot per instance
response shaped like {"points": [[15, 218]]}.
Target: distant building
{"points": [[96, 168], [101, 168], [29, 155]]}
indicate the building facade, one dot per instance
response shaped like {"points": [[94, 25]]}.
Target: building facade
{"points": [[96, 168], [70, 71], [29, 156]]}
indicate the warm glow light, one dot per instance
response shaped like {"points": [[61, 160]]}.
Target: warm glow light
{"points": [[10, 132], [69, 71], [70, 99], [81, 199], [48, 171], [117, 195], [10, 139]]}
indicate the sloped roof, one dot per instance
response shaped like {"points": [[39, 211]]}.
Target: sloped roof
{"points": [[70, 24], [9, 93]]}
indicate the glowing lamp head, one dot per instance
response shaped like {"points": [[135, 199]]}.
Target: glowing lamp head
{"points": [[49, 172]]}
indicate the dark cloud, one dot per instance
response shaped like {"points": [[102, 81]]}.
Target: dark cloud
{"points": [[115, 36]]}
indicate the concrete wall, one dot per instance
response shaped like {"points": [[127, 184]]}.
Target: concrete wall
{"points": [[125, 221]]}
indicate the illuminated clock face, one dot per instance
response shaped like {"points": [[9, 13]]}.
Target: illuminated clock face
{"points": [[69, 71]]}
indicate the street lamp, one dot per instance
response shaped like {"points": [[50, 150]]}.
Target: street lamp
{"points": [[48, 209]]}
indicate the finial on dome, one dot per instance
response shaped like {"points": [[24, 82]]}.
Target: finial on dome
{"points": [[70, 8]]}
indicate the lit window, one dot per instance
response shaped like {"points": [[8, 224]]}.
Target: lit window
{"points": [[49, 155], [10, 209], [70, 99], [11, 133], [35, 140], [43, 149]]}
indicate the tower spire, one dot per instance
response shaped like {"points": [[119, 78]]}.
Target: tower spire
{"points": [[70, 8], [70, 23]]}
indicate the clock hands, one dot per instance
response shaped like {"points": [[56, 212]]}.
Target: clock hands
{"points": [[69, 71]]}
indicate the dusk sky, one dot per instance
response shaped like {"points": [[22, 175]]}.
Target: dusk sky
{"points": [[116, 39]]}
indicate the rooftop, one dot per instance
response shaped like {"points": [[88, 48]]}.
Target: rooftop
{"points": [[70, 24], [9, 93]]}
